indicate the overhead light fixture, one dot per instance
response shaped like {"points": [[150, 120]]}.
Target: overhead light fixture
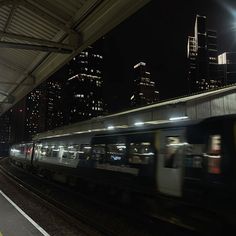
{"points": [[139, 123], [178, 118], [110, 127]]}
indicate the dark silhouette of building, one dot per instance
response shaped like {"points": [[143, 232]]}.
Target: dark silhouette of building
{"points": [[144, 89], [18, 121], [5, 132], [202, 57], [84, 86], [227, 67], [39, 111], [44, 109], [54, 116], [57, 102], [33, 113]]}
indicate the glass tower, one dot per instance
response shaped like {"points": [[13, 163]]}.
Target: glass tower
{"points": [[84, 86], [202, 58], [144, 89]]}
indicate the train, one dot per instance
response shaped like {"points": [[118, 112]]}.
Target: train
{"points": [[179, 159]]}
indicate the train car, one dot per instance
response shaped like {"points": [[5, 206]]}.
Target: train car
{"points": [[21, 154], [177, 158]]}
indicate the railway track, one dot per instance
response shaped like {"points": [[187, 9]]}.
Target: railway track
{"points": [[89, 227], [100, 217]]}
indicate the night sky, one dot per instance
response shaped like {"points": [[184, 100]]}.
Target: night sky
{"points": [[157, 35]]}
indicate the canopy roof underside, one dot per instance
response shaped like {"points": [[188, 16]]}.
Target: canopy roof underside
{"points": [[37, 37]]}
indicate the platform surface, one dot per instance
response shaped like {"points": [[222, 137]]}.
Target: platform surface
{"points": [[14, 222]]}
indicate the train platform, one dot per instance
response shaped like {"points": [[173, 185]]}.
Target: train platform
{"points": [[15, 222]]}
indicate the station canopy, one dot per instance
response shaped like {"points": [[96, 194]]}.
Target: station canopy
{"points": [[38, 37]]}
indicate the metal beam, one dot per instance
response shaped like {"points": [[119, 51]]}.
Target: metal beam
{"points": [[92, 22], [10, 16], [33, 47], [9, 99], [8, 83], [15, 83], [35, 40], [3, 93], [9, 65]]}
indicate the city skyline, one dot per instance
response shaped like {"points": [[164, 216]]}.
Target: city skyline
{"points": [[158, 35], [168, 69], [164, 67]]}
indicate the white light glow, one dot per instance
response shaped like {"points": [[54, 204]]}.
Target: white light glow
{"points": [[110, 127], [139, 123], [178, 118]]}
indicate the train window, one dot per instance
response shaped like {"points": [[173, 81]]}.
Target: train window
{"points": [[85, 151], [17, 151], [22, 149], [45, 151], [37, 151], [42, 152], [29, 149], [214, 154], [13, 151], [55, 152], [171, 150], [98, 152], [116, 153], [141, 153], [70, 152], [194, 158]]}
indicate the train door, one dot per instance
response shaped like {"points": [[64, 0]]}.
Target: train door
{"points": [[169, 175]]}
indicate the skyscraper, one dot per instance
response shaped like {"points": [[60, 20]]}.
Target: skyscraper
{"points": [[34, 113], [39, 111], [18, 121], [84, 86], [192, 56], [202, 58], [144, 89], [227, 67], [53, 105], [44, 109], [5, 132]]}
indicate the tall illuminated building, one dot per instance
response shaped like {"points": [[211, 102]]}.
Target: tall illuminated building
{"points": [[84, 86], [144, 88], [53, 104], [44, 108], [202, 57], [33, 113], [227, 67], [192, 65], [39, 111]]}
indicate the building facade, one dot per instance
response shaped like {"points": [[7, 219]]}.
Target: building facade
{"points": [[202, 57], [227, 67], [84, 86], [53, 103], [39, 111], [18, 121], [144, 88], [5, 133], [44, 108], [33, 113]]}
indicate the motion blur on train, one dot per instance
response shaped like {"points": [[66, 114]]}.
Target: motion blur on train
{"points": [[177, 159]]}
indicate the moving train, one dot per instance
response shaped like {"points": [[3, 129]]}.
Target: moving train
{"points": [[179, 159]]}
